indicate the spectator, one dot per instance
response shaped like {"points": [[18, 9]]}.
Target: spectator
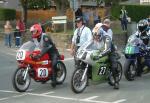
{"points": [[8, 31], [123, 18], [17, 36], [81, 35], [21, 26], [96, 17], [86, 17]]}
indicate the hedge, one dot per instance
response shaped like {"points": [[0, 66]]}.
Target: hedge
{"points": [[7, 14], [136, 12]]}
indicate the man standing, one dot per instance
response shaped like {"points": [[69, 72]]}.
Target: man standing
{"points": [[123, 18], [81, 35]]}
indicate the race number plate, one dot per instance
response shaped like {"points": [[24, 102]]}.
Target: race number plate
{"points": [[42, 72], [102, 70], [20, 55]]}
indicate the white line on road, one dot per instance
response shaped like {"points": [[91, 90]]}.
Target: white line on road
{"points": [[6, 91], [48, 93], [119, 101], [89, 98], [16, 96], [66, 98], [3, 99]]}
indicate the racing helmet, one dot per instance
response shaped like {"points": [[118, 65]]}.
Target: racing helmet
{"points": [[142, 25], [36, 31]]}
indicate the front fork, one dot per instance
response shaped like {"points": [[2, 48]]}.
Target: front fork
{"points": [[25, 72], [85, 72]]}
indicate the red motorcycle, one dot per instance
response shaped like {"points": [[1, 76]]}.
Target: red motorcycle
{"points": [[40, 70]]}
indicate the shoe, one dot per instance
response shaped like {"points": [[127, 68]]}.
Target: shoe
{"points": [[116, 86]]}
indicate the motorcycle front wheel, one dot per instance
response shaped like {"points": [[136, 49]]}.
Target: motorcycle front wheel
{"points": [[77, 85], [129, 70], [18, 81]]}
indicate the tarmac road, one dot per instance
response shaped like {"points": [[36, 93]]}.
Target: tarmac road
{"points": [[137, 91]]}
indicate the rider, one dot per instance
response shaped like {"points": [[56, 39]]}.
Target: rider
{"points": [[144, 34], [105, 39], [46, 45], [143, 31]]}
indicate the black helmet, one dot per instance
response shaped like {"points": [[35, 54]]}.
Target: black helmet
{"points": [[142, 25]]}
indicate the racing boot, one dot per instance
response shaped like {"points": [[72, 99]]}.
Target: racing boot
{"points": [[116, 84], [53, 79]]}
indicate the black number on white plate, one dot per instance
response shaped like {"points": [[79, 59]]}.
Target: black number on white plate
{"points": [[102, 70]]}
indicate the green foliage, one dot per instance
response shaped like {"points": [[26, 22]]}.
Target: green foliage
{"points": [[136, 12], [39, 4], [7, 14]]}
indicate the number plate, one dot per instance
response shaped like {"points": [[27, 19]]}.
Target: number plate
{"points": [[42, 72], [20, 55], [102, 70]]}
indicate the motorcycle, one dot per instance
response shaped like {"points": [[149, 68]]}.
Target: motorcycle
{"points": [[135, 52], [39, 70], [97, 71]]}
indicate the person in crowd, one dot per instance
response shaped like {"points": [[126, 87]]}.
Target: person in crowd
{"points": [[123, 18], [96, 17], [8, 33], [17, 36], [86, 17], [81, 35], [21, 26]]}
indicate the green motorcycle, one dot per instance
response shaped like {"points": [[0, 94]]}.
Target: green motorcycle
{"points": [[98, 71]]}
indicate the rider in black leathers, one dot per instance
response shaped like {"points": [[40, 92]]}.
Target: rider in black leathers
{"points": [[47, 46], [144, 34]]}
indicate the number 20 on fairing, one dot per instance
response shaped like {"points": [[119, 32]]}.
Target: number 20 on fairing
{"points": [[20, 55]]}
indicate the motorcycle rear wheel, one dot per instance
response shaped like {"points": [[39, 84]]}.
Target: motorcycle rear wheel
{"points": [[129, 70], [61, 72], [19, 84], [77, 85]]}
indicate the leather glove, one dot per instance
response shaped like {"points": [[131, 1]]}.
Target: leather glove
{"points": [[36, 57]]}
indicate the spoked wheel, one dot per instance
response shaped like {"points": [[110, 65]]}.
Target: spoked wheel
{"points": [[111, 80], [18, 81], [129, 70], [77, 85], [61, 72]]}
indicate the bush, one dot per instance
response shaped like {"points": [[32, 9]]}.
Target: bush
{"points": [[7, 14], [136, 12]]}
